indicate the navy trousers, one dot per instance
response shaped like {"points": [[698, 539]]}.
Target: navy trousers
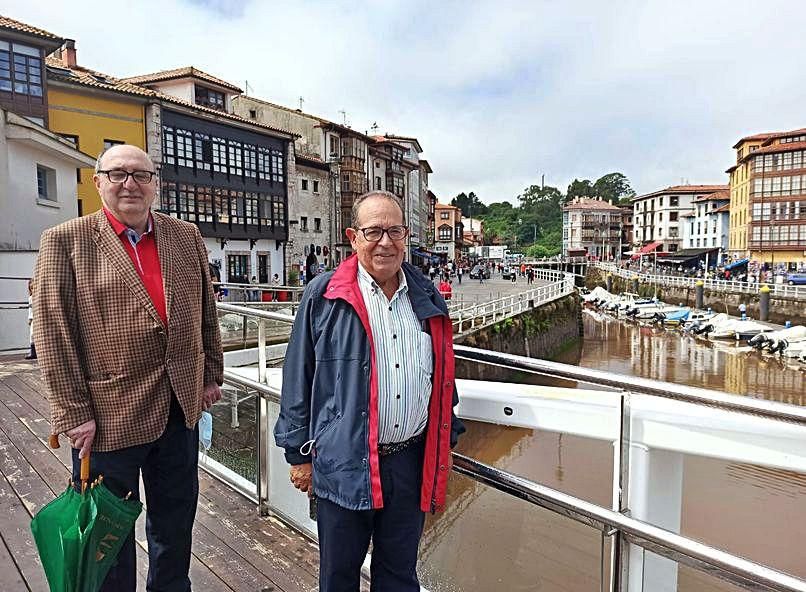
{"points": [[170, 476], [395, 530]]}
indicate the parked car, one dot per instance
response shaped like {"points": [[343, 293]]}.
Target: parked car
{"points": [[796, 279], [479, 270], [508, 272]]}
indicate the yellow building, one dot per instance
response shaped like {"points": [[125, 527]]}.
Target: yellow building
{"points": [[740, 174], [768, 199], [94, 111]]}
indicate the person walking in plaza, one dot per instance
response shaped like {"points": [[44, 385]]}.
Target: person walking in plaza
{"points": [[366, 412], [129, 345], [459, 272], [32, 350]]}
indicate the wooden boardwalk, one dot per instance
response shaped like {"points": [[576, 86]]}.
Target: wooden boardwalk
{"points": [[234, 549]]}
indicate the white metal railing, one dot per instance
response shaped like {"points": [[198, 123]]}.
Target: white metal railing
{"points": [[470, 317], [731, 286], [630, 535]]}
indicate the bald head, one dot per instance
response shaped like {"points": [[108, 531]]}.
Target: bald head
{"points": [[126, 148]]}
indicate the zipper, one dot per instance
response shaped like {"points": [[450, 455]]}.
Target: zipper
{"points": [[439, 427]]}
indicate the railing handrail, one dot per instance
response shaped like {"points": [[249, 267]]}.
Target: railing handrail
{"points": [[667, 544], [254, 312], [653, 538], [679, 392]]}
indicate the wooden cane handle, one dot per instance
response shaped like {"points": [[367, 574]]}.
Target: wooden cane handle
{"points": [[53, 441]]}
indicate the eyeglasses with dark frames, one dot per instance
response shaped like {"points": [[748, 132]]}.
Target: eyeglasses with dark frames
{"points": [[375, 233], [121, 176]]}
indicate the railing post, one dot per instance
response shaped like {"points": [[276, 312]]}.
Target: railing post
{"points": [[263, 469], [619, 551]]}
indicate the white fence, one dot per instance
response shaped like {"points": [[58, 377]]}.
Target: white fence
{"points": [[731, 286], [470, 317]]}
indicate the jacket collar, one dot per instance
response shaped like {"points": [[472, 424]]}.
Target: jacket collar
{"points": [[344, 284]]}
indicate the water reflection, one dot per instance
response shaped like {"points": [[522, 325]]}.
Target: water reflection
{"points": [[488, 541]]}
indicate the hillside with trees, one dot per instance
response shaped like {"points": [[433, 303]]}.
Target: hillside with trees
{"points": [[533, 224]]}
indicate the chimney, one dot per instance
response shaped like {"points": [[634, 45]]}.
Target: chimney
{"points": [[69, 53]]}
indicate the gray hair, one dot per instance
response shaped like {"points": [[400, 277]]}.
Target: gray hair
{"points": [[377, 193], [108, 148]]}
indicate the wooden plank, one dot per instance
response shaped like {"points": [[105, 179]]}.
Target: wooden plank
{"points": [[16, 535], [10, 578], [33, 396], [270, 532], [247, 539]]}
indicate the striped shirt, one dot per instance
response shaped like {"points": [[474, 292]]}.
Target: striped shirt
{"points": [[403, 358]]}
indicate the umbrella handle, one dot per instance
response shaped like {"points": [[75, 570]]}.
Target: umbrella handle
{"points": [[53, 442]]}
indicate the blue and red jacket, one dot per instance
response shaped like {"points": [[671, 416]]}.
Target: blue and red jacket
{"points": [[329, 404]]}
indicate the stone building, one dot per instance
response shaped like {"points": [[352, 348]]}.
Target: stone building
{"points": [[593, 226]]}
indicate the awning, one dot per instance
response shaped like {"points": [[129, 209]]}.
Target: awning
{"points": [[686, 255], [646, 249], [736, 264]]}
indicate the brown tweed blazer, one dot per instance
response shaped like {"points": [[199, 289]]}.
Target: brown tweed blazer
{"points": [[103, 350]]}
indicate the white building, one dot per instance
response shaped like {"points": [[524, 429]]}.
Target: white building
{"points": [[707, 225], [37, 191], [658, 216], [591, 225]]}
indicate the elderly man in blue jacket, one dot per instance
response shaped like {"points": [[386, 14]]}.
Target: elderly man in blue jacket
{"points": [[366, 417]]}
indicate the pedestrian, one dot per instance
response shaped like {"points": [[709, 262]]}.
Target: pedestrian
{"points": [[275, 281], [32, 349], [743, 310], [513, 274], [432, 272], [255, 294], [215, 276], [366, 415], [445, 288], [459, 272], [129, 345]]}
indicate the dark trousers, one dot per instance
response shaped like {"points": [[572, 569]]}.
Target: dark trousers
{"points": [[170, 476], [395, 531]]}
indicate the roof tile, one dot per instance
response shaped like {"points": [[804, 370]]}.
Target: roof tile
{"points": [[185, 72], [12, 25]]}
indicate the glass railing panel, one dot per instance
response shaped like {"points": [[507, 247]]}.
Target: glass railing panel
{"points": [[488, 540], [233, 451], [732, 480], [653, 573]]}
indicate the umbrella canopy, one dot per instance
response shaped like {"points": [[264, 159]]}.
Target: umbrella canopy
{"points": [[78, 535]]}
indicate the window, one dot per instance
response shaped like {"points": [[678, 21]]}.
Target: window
{"points": [[109, 143], [316, 186], [207, 97], [20, 69], [673, 216], [334, 146], [72, 139], [674, 201], [304, 184], [238, 269], [444, 215], [445, 233], [317, 225], [672, 248], [45, 183], [303, 223], [253, 115], [378, 182], [661, 202]]}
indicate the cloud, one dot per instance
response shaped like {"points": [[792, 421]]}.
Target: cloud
{"points": [[498, 93]]}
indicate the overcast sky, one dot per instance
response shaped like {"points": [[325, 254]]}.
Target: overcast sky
{"points": [[498, 93]]}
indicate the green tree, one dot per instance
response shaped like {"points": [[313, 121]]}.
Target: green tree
{"points": [[580, 188], [613, 187], [470, 205]]}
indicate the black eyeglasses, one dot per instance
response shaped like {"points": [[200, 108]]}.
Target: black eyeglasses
{"points": [[375, 233], [121, 176]]}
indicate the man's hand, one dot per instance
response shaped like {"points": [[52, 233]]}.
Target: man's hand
{"points": [[210, 395], [301, 477], [82, 437]]}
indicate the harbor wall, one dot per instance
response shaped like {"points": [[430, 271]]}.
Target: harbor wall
{"points": [[538, 333], [781, 309]]}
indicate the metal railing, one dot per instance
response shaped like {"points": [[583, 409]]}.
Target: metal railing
{"points": [[272, 491], [730, 286], [471, 317], [234, 292]]}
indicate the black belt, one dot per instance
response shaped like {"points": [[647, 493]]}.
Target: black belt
{"points": [[393, 447]]}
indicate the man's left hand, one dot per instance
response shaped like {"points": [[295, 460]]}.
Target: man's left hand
{"points": [[211, 394]]}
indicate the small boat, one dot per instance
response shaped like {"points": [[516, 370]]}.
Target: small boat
{"points": [[774, 340], [737, 329], [673, 318]]}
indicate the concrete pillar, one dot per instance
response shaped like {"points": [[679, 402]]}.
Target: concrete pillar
{"points": [[635, 285], [764, 303], [609, 282], [655, 495], [699, 291]]}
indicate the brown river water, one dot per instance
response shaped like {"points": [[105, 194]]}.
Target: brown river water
{"points": [[487, 540]]}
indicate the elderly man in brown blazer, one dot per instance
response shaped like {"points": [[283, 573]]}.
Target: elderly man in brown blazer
{"points": [[129, 345]]}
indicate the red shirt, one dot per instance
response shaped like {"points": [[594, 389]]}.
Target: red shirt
{"points": [[146, 261]]}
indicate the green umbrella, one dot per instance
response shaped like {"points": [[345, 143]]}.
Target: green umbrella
{"points": [[78, 535]]}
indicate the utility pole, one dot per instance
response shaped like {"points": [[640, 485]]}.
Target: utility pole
{"points": [[301, 100]]}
